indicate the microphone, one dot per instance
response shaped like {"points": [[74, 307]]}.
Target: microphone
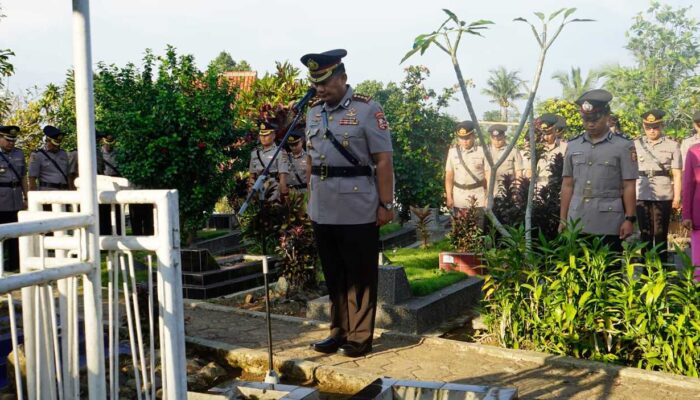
{"points": [[301, 103]]}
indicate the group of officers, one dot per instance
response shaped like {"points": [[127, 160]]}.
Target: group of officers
{"points": [[609, 181]]}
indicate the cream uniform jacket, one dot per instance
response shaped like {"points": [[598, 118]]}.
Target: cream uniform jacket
{"points": [[598, 170], [655, 164], [359, 124], [469, 173]]}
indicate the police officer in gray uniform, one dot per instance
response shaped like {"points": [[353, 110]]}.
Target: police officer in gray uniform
{"points": [[599, 177], [350, 197], [659, 183], [13, 190], [262, 156], [297, 162], [49, 164]]}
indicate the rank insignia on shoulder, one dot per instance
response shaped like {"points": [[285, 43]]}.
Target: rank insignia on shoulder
{"points": [[381, 121], [361, 98], [633, 153]]}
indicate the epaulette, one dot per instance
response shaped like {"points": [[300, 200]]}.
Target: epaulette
{"points": [[361, 98], [317, 103], [576, 137]]}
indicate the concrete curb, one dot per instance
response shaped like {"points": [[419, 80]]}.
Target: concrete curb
{"points": [[665, 378]]}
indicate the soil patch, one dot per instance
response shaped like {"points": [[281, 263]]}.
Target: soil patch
{"points": [[293, 304]]}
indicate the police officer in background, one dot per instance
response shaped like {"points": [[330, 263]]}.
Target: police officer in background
{"points": [[107, 165], [297, 162], [350, 197], [49, 164], [694, 139], [262, 156], [512, 165], [551, 146], [13, 190], [465, 169], [599, 177], [614, 124], [560, 128], [659, 183]]}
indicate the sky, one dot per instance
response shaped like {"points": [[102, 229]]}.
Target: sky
{"points": [[376, 34]]}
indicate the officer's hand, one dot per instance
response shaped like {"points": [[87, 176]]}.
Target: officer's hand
{"points": [[384, 216], [450, 203], [676, 204], [562, 226], [687, 224], [626, 230]]}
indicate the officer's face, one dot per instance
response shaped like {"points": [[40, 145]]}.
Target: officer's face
{"points": [[467, 142], [697, 126], [549, 136], [296, 147], [266, 140], [332, 89], [653, 132], [6, 145], [498, 141], [596, 124]]}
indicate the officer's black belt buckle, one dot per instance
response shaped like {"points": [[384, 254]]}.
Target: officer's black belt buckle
{"points": [[299, 186], [651, 174], [325, 171], [474, 185], [12, 185]]}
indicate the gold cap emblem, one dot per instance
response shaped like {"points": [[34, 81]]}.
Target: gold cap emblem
{"points": [[462, 132], [650, 118], [544, 125], [313, 65]]}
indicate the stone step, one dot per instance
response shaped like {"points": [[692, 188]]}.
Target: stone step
{"points": [[224, 273], [202, 292]]}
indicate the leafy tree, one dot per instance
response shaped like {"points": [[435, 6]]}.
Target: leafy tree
{"points": [[492, 115], [665, 44], [6, 69], [224, 62], [421, 133], [504, 87], [573, 84]]}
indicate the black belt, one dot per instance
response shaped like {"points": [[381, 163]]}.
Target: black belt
{"points": [[53, 185], [475, 185], [650, 174], [299, 186], [10, 184], [324, 171]]}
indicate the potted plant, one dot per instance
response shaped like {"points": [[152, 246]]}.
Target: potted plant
{"points": [[467, 239]]}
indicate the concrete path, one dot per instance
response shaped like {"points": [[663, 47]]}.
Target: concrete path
{"points": [[410, 357]]}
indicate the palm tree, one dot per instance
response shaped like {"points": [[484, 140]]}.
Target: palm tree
{"points": [[504, 87], [573, 85]]}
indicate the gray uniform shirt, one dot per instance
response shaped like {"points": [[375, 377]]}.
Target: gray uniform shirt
{"points": [[469, 174], [548, 156], [668, 154], [359, 124], [42, 168], [297, 168], [686, 144], [258, 164], [598, 170], [109, 162], [510, 165], [11, 199]]}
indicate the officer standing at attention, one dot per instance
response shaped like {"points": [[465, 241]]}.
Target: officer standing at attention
{"points": [[465, 169], [551, 146], [262, 156], [297, 162], [599, 177], [690, 141], [13, 189], [350, 197], [49, 164], [614, 124], [560, 128], [107, 165], [659, 184], [513, 165]]}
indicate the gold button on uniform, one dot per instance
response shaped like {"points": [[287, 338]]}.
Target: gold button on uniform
{"points": [[330, 118], [590, 163], [354, 188]]}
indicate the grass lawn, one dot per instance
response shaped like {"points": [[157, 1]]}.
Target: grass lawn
{"points": [[141, 275], [206, 234], [421, 266], [389, 228]]}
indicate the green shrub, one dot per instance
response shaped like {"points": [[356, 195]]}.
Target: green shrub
{"points": [[572, 296]]}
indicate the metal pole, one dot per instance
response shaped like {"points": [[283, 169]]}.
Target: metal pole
{"points": [[271, 376], [85, 121]]}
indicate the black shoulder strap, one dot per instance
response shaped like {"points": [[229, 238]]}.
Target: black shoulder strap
{"points": [[341, 149], [55, 164], [257, 152], [12, 167], [461, 161], [656, 160], [293, 168], [111, 166]]}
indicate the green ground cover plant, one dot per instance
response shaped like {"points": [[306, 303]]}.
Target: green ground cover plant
{"points": [[389, 228], [572, 296], [421, 266]]}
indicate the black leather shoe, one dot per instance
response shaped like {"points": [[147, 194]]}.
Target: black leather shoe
{"points": [[328, 345], [354, 349]]}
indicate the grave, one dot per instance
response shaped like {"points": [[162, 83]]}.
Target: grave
{"points": [[394, 389]]}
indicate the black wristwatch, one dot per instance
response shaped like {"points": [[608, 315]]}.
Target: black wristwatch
{"points": [[388, 206], [631, 218]]}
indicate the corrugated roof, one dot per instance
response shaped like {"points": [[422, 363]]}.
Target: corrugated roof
{"points": [[242, 79]]}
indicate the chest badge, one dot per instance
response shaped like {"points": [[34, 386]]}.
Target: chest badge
{"points": [[351, 113]]}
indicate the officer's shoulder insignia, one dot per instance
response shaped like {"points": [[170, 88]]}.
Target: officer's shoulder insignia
{"points": [[579, 136], [633, 152], [361, 98]]}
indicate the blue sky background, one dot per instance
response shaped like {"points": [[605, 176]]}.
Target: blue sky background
{"points": [[376, 34]]}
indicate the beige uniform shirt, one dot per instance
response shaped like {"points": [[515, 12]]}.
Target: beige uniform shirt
{"points": [[469, 168], [686, 144], [258, 164], [359, 124], [661, 156], [11, 198], [511, 165], [297, 169], [548, 156], [598, 170]]}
